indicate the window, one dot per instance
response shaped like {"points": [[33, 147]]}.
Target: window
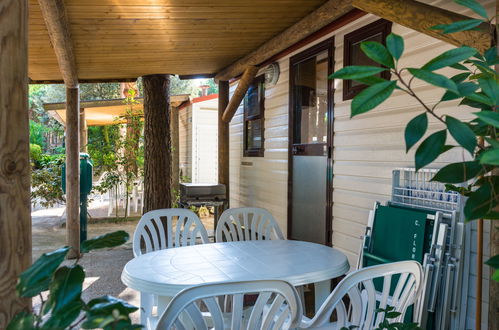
{"points": [[353, 55], [254, 105]]}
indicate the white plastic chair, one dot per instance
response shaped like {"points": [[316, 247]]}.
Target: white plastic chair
{"points": [[152, 234], [180, 227], [365, 299], [277, 307], [245, 224]]}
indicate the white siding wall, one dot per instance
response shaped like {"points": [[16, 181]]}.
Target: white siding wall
{"points": [[366, 149], [205, 142], [185, 141]]}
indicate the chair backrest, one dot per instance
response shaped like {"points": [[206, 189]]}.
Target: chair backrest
{"points": [[167, 228], [401, 282], [247, 224], [277, 306]]}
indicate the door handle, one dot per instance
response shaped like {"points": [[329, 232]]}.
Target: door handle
{"points": [[298, 149]]}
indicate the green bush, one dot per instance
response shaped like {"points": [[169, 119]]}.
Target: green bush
{"points": [[46, 181], [35, 153]]}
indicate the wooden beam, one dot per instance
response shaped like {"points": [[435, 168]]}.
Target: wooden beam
{"points": [[175, 150], [54, 14], [73, 171], [109, 103], [223, 136], [421, 17], [83, 81], [242, 87], [319, 18], [15, 218], [157, 143], [83, 131]]}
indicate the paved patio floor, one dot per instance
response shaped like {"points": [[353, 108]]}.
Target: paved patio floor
{"points": [[103, 267]]}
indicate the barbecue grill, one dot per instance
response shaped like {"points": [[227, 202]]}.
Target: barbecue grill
{"points": [[203, 194]]}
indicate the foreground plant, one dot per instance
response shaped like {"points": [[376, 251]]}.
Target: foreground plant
{"points": [[475, 85], [64, 307]]}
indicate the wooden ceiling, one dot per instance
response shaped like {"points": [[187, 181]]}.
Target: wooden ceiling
{"points": [[123, 39]]}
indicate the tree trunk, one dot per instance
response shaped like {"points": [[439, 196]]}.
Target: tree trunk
{"points": [[73, 171], [157, 145], [15, 220], [223, 136]]}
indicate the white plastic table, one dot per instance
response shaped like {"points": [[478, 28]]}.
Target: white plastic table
{"points": [[167, 272]]}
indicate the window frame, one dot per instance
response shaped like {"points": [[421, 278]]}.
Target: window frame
{"points": [[259, 81], [380, 26]]}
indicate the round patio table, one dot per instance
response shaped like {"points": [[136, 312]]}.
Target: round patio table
{"points": [[166, 272]]}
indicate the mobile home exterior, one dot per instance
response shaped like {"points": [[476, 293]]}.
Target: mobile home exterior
{"points": [[198, 147], [358, 154]]}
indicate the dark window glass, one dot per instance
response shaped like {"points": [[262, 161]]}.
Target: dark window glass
{"points": [[254, 103], [353, 55], [311, 84]]}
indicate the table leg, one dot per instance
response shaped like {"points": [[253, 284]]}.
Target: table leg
{"points": [[322, 291]]}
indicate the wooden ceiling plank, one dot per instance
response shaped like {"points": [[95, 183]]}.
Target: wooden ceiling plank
{"points": [[324, 15]]}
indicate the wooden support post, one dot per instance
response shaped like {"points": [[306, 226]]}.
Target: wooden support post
{"points": [[73, 171], [421, 17], [56, 20], [223, 136], [15, 219], [175, 150], [242, 87], [83, 131], [157, 143]]}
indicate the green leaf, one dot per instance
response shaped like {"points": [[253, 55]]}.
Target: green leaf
{"points": [[66, 287], [22, 321], [458, 172], [473, 5], [489, 117], [460, 77], [392, 315], [493, 262], [461, 133], [415, 130], [395, 45], [356, 71], [450, 57], [490, 88], [465, 89], [107, 304], [434, 79], [495, 276], [430, 149], [64, 317], [371, 97], [490, 157], [378, 53], [480, 202], [491, 57], [459, 66], [494, 143], [480, 98], [37, 278], [105, 241], [464, 25]]}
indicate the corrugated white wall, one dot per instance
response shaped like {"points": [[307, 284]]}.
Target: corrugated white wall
{"points": [[366, 149]]}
